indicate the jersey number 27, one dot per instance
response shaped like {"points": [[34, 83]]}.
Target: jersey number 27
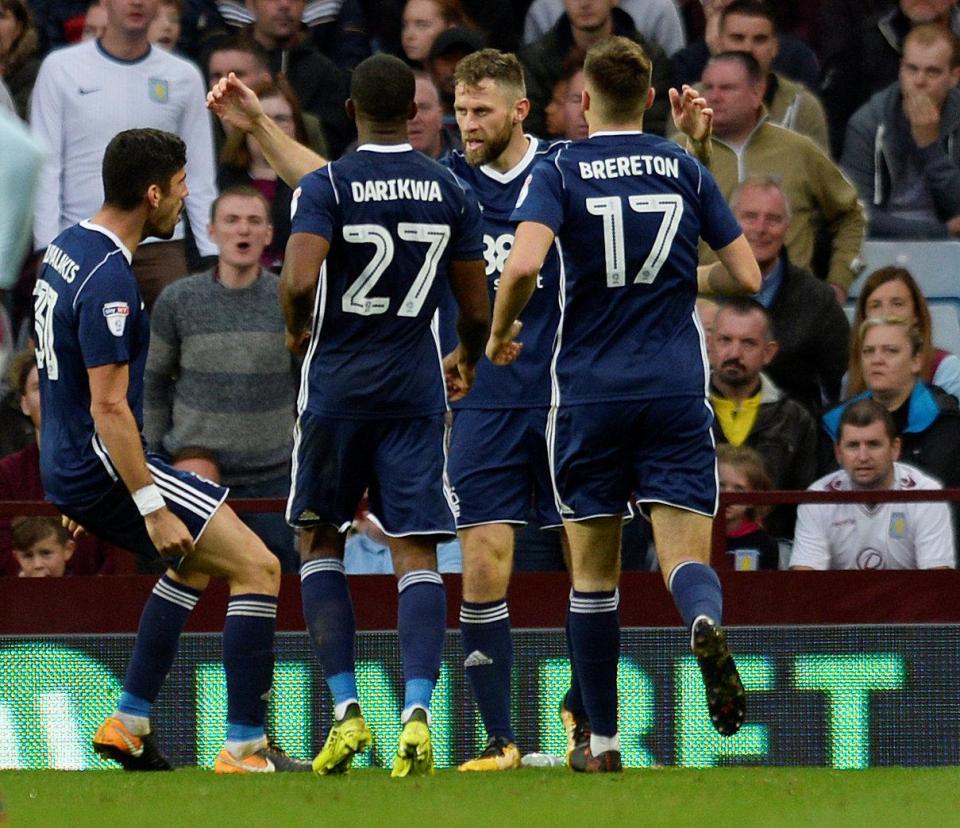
{"points": [[356, 298]]}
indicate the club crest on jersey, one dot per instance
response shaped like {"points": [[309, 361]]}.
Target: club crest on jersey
{"points": [[116, 314], [898, 525], [159, 90]]}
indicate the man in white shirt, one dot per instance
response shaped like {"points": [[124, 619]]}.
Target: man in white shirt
{"points": [[86, 94], [872, 535]]}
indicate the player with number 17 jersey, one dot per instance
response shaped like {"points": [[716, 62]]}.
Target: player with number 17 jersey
{"points": [[638, 204], [628, 210]]}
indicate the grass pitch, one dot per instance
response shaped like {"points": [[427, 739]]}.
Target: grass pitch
{"points": [[549, 797]]}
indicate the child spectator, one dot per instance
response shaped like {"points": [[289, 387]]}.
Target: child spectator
{"points": [[749, 546], [164, 31], [41, 546]]}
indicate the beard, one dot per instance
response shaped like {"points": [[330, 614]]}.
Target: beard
{"points": [[162, 228], [492, 147]]}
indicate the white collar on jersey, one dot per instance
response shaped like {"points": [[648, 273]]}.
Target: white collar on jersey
{"points": [[385, 148], [513, 172], [99, 228], [616, 132]]}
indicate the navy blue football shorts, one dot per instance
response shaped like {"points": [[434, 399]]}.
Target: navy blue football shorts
{"points": [[661, 451], [499, 467], [400, 463], [116, 519]]}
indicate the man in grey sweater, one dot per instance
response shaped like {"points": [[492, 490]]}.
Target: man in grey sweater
{"points": [[218, 377]]}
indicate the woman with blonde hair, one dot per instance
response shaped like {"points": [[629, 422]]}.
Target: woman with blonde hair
{"points": [[893, 292], [926, 417], [19, 44]]}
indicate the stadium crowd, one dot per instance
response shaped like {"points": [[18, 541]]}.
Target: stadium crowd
{"points": [[207, 182], [833, 122]]}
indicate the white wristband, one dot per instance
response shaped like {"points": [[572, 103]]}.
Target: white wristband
{"points": [[148, 499]]}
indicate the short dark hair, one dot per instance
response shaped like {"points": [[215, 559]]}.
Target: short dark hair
{"points": [[619, 71], [26, 531], [244, 190], [863, 413], [243, 42], [503, 68], [750, 8], [383, 88], [745, 59], [743, 306], [20, 367], [137, 158]]}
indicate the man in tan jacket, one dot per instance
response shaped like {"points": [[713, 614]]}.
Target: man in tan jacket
{"points": [[750, 26], [745, 143]]}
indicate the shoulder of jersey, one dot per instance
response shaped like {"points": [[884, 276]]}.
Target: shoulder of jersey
{"points": [[910, 477], [547, 148], [833, 482]]}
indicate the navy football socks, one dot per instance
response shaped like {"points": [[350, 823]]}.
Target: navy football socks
{"points": [[696, 591], [328, 611], [421, 623], [248, 664], [488, 659], [161, 622], [595, 637]]}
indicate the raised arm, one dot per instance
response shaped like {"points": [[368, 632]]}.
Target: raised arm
{"points": [[234, 103], [693, 118]]}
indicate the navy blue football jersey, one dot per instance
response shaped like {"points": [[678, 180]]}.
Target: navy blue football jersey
{"points": [[88, 312], [395, 219], [628, 210], [526, 382]]}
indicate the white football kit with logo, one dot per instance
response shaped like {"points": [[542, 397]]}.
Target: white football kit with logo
{"points": [[874, 536], [82, 98]]}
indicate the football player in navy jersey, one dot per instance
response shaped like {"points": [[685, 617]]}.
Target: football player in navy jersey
{"points": [[376, 238], [629, 412], [92, 334], [498, 452]]}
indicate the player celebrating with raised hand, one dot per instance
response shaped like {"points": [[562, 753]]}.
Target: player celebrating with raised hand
{"points": [[629, 375], [376, 239], [92, 335]]}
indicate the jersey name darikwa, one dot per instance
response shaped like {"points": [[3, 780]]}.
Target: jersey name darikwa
{"points": [[625, 165], [61, 263], [395, 189]]}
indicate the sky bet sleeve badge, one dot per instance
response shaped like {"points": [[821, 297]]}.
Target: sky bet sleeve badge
{"points": [[116, 314]]}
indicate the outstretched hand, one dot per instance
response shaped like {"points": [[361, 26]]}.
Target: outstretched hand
{"points": [[691, 115], [235, 103], [504, 350]]}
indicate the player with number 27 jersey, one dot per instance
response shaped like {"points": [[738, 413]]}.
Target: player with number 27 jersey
{"points": [[373, 353], [395, 221]]}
